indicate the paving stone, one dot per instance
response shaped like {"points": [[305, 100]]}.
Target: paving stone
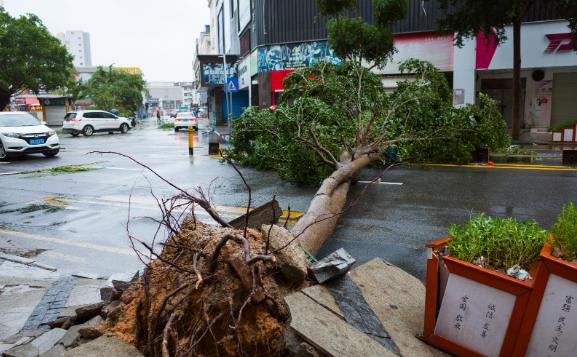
{"points": [[56, 351], [104, 346], [38, 346], [16, 259], [85, 292], [44, 266], [53, 300], [87, 275], [15, 310], [72, 336]]}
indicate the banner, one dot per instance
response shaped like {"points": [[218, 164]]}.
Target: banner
{"points": [[295, 56]]}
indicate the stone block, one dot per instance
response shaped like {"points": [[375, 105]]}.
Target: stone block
{"points": [[87, 312], [38, 346], [333, 265], [292, 260], [104, 346]]}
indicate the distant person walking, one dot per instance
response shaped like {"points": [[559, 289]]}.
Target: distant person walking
{"points": [[158, 116]]}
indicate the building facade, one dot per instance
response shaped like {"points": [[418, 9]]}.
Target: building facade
{"points": [[166, 96], [277, 37], [78, 45]]}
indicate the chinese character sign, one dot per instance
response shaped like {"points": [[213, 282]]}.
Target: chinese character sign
{"points": [[555, 331], [295, 56], [474, 315]]}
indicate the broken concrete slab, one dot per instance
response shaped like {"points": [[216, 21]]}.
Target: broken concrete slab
{"points": [[396, 297], [44, 266], [85, 313], [56, 351], [292, 260], [121, 285], [11, 272], [87, 275], [89, 332], [85, 292], [327, 332], [104, 346], [38, 346], [16, 308], [16, 259], [268, 213], [332, 266], [129, 277], [72, 336]]}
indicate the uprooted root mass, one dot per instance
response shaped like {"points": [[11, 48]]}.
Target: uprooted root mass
{"points": [[197, 299]]}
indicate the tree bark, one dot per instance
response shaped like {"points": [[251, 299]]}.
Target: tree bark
{"points": [[516, 125], [319, 222], [4, 99]]}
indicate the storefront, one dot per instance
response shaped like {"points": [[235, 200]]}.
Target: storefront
{"points": [[549, 75]]}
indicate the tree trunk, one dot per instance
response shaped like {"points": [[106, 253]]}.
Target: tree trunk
{"points": [[516, 79], [4, 99], [319, 222]]}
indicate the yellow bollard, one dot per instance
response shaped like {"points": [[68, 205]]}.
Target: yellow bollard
{"points": [[190, 140]]}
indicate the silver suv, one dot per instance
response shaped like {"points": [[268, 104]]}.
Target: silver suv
{"points": [[87, 122]]}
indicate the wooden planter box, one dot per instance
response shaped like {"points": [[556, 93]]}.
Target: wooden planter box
{"points": [[469, 310], [550, 324]]}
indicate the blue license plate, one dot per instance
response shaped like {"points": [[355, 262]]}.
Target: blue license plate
{"points": [[36, 141]]}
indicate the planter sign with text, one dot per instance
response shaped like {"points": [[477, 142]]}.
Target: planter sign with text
{"points": [[470, 310], [550, 324]]}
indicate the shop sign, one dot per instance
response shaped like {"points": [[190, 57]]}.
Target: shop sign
{"points": [[560, 42], [213, 73], [295, 56], [244, 73]]}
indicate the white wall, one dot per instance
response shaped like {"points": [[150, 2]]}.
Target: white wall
{"points": [[464, 70]]}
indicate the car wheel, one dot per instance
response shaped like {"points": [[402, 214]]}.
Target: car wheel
{"points": [[175, 128], [88, 130], [51, 153], [75, 134], [3, 154], [124, 128]]}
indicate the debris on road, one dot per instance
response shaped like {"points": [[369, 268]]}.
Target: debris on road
{"points": [[333, 265]]}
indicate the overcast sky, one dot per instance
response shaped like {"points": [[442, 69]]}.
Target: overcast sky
{"points": [[157, 36]]}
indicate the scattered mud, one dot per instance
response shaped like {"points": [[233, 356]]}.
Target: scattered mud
{"points": [[237, 310], [33, 208]]}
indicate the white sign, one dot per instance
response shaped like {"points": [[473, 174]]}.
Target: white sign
{"points": [[474, 315], [555, 331], [557, 136], [568, 135], [534, 47], [244, 73]]}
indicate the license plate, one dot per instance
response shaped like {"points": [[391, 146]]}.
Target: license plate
{"points": [[36, 141]]}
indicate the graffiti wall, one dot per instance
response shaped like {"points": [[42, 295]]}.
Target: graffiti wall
{"points": [[213, 73], [294, 56]]}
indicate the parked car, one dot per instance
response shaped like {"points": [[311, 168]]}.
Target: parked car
{"points": [[21, 133], [87, 122], [184, 120]]}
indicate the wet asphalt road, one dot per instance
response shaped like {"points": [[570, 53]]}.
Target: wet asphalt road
{"points": [[80, 218]]}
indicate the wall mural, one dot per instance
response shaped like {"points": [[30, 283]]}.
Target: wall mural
{"points": [[294, 56], [213, 73]]}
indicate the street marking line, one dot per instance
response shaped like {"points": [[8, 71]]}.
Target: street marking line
{"points": [[383, 183], [510, 167], [102, 248], [11, 173]]}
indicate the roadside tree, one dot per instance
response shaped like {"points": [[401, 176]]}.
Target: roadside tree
{"points": [[30, 58], [336, 120], [467, 18], [110, 88]]}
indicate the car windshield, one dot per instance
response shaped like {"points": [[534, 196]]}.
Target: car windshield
{"points": [[14, 120], [184, 115]]}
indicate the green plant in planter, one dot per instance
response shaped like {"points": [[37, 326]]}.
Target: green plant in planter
{"points": [[565, 233], [497, 243]]}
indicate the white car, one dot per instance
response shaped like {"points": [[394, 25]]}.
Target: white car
{"points": [[184, 120], [21, 133], [88, 122]]}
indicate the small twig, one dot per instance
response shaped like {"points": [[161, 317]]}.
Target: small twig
{"points": [[229, 161], [271, 224], [288, 216], [246, 248]]}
